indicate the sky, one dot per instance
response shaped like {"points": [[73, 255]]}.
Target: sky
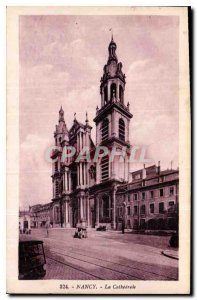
{"points": [[61, 62]]}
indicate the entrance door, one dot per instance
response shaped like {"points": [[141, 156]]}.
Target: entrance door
{"points": [[75, 217]]}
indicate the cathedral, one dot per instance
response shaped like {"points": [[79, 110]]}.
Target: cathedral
{"points": [[85, 191], [103, 191]]}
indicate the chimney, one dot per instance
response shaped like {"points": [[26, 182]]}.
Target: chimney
{"points": [[158, 168], [144, 172], [130, 177]]}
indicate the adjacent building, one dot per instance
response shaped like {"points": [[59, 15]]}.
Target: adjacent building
{"points": [[40, 215], [150, 200], [24, 220]]}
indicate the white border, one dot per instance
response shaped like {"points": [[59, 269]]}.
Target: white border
{"points": [[3, 89]]}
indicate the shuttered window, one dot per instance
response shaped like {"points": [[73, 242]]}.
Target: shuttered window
{"points": [[105, 129], [105, 168], [121, 130]]}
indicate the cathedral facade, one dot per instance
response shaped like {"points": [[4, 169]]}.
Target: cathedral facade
{"points": [[99, 190], [85, 191]]}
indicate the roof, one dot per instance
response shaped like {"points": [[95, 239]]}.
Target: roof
{"points": [[149, 180]]}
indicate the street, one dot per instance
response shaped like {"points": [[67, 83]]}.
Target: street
{"points": [[106, 255]]}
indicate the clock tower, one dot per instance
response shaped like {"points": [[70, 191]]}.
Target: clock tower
{"points": [[112, 131]]}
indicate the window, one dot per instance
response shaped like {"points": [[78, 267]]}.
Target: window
{"points": [[151, 194], [161, 192], [105, 94], [171, 203], [171, 190], [113, 91], [105, 129], [143, 209], [135, 210], [143, 195], [121, 129], [152, 208], [105, 206], [105, 168], [137, 176], [129, 197], [128, 210], [161, 207], [121, 94], [135, 197]]}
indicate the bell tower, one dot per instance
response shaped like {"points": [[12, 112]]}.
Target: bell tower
{"points": [[112, 131], [113, 80], [113, 118]]}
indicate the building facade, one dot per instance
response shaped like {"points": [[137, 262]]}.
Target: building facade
{"points": [[103, 191], [150, 200], [40, 215], [85, 191], [24, 220]]}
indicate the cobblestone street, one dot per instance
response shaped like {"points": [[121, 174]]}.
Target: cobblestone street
{"points": [[106, 256]]}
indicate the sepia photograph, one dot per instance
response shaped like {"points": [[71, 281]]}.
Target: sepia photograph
{"points": [[99, 162]]}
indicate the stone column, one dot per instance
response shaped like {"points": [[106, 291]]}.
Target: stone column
{"points": [[88, 210], [102, 98], [80, 139], [81, 208], [77, 142], [69, 179], [114, 207], [84, 208], [84, 173], [97, 210], [88, 175], [117, 91], [108, 90], [65, 181], [67, 224], [77, 174], [78, 209], [80, 170]]}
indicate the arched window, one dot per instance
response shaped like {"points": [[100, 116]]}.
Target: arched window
{"points": [[121, 130], [121, 93], [105, 168], [105, 95], [112, 90], [105, 129], [105, 206]]}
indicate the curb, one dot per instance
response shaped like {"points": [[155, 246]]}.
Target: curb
{"points": [[168, 255]]}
